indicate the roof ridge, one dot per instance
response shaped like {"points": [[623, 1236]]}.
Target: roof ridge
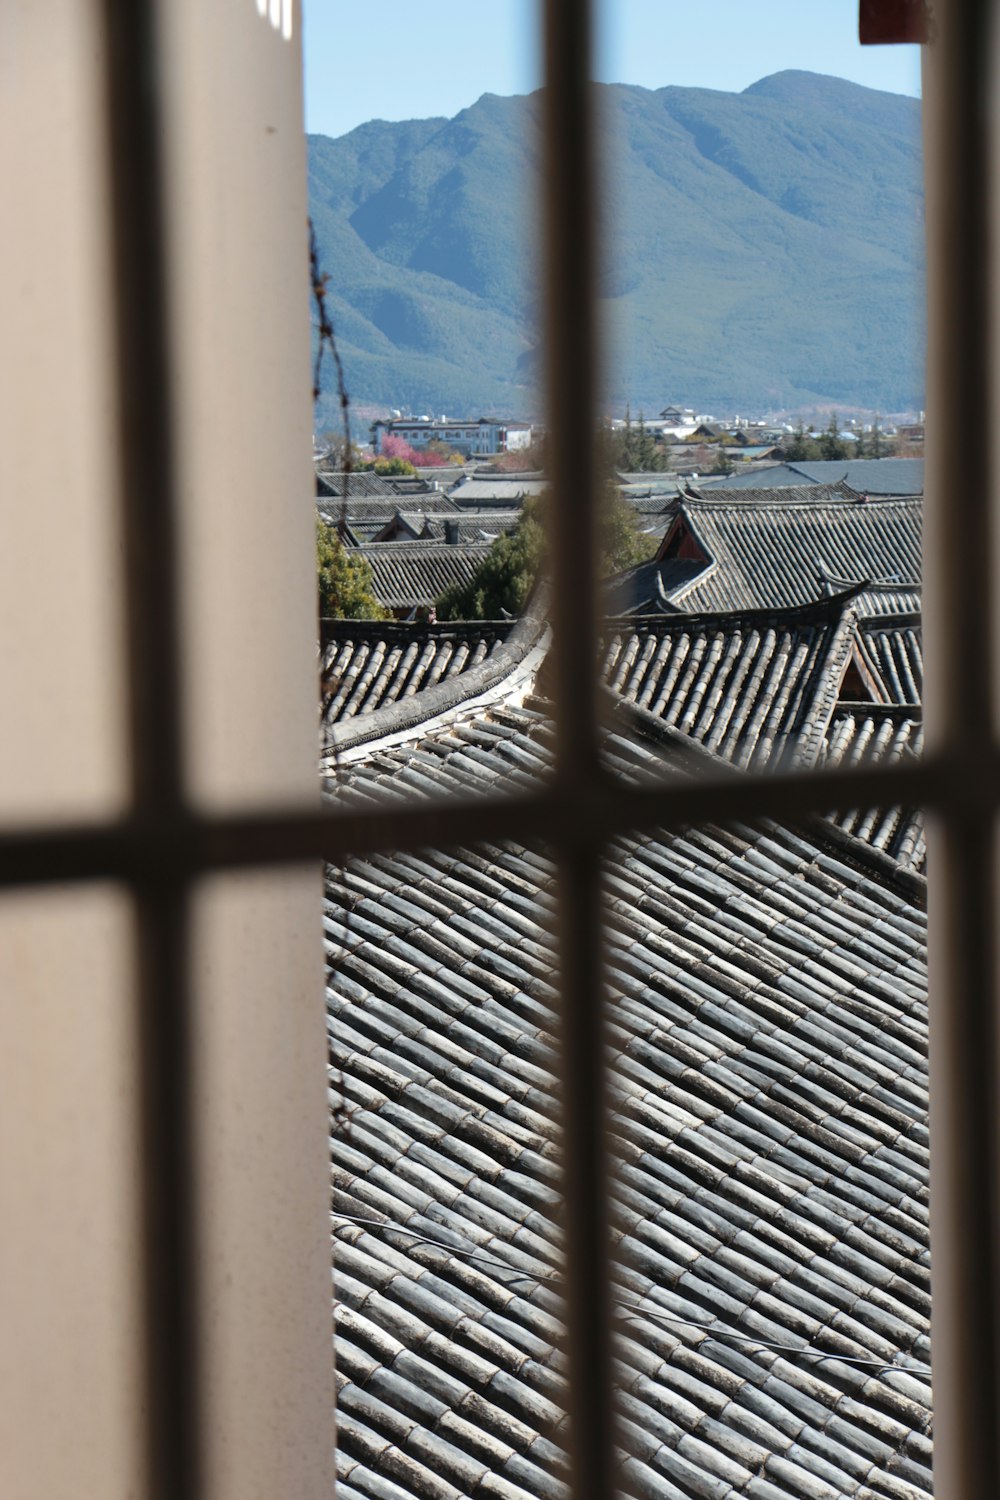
{"points": [[883, 710], [825, 678], [436, 543], [824, 606], [331, 628], [909, 620], [407, 713]]}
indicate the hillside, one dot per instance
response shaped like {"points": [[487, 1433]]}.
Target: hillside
{"points": [[763, 249]]}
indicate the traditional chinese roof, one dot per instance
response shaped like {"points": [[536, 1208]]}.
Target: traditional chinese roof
{"points": [[406, 575], [761, 494], [756, 687], [649, 586], [366, 484], [500, 489], [775, 553], [367, 515], [890, 653], [370, 671], [662, 487], [651, 509], [867, 732], [475, 525], [767, 1050], [872, 476], [887, 600], [367, 664]]}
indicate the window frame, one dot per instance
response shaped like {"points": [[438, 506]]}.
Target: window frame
{"points": [[166, 843]]}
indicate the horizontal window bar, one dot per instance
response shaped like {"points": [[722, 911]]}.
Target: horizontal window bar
{"points": [[581, 817]]}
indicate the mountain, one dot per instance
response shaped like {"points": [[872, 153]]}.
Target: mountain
{"points": [[760, 250]]}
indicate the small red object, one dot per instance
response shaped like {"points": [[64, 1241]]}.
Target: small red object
{"points": [[882, 21]]}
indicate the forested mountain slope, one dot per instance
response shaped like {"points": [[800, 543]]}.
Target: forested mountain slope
{"points": [[762, 249]]}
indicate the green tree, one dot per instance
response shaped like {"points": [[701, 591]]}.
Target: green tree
{"points": [[800, 447], [622, 544], [345, 580], [632, 448], [501, 584], [831, 444], [650, 458], [504, 580], [624, 450], [390, 466]]}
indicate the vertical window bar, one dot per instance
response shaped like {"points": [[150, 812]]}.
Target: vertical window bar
{"points": [[570, 231], [134, 111], [959, 558]]}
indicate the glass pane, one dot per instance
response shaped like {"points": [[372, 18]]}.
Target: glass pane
{"points": [[763, 396], [741, 315], [768, 1134], [819, 686], [768, 1041], [424, 189], [864, 733], [445, 1174]]}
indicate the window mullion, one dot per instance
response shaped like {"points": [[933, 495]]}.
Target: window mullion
{"points": [[160, 890], [959, 558], [570, 232]]}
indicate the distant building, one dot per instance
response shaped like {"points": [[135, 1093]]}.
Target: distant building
{"points": [[483, 436], [518, 435], [677, 416]]}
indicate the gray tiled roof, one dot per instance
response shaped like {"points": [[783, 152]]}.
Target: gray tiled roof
{"points": [[767, 1036], [887, 599], [639, 489], [757, 687], [761, 494], [651, 511], [499, 490], [776, 554], [649, 586], [476, 525], [469, 676], [368, 514], [892, 652], [865, 732], [409, 574], [872, 476], [365, 484], [367, 664], [437, 526]]}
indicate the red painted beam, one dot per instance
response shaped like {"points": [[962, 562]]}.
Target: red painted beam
{"points": [[882, 21]]}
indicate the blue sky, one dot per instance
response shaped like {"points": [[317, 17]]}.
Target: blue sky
{"points": [[399, 61]]}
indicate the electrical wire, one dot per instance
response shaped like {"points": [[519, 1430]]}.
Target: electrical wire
{"points": [[627, 1308]]}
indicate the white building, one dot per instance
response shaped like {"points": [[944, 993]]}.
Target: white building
{"points": [[482, 436]]}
